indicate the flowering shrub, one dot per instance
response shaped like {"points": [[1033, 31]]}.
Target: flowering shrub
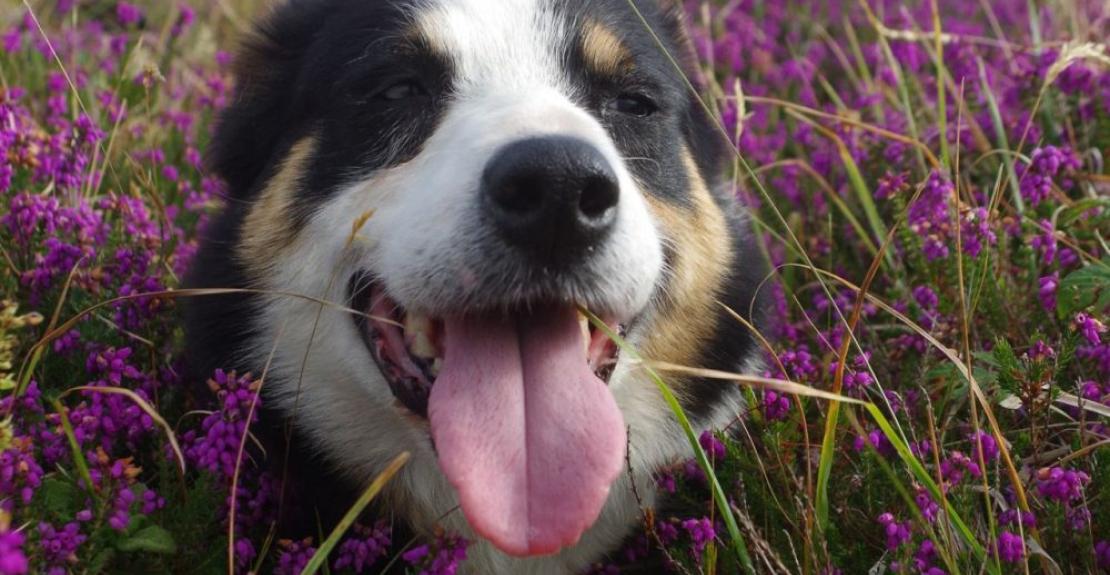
{"points": [[964, 165]]}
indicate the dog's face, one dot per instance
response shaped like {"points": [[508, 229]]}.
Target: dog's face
{"points": [[466, 175]]}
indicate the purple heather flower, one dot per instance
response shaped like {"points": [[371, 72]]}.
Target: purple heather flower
{"points": [[1047, 290], [1098, 356], [800, 365], [635, 550], [929, 508], [924, 558], [929, 217], [714, 448], [1061, 484], [416, 554], [877, 439], [857, 378], [112, 365], [693, 472], [976, 232], [1040, 351], [1010, 547], [294, 556], [1077, 518], [666, 482], [666, 531], [120, 515], [922, 448], [776, 407], [443, 557], [896, 533], [185, 19], [68, 342], [1090, 327], [891, 185], [1092, 391], [20, 473], [217, 450], [363, 547], [13, 559], [1044, 166], [953, 467], [1010, 518], [244, 553], [128, 13], [701, 533], [59, 546], [1102, 554], [987, 443], [1045, 242], [1067, 258], [926, 298]]}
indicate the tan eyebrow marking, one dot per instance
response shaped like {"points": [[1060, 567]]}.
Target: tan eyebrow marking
{"points": [[604, 52]]}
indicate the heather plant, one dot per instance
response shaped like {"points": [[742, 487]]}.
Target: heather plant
{"points": [[928, 179]]}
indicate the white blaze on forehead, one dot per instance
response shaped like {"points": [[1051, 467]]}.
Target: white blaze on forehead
{"points": [[498, 44]]}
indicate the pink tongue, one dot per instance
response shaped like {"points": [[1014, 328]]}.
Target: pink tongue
{"points": [[528, 435]]}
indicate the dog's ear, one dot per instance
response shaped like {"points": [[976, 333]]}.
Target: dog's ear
{"points": [[265, 104], [710, 147], [676, 25]]}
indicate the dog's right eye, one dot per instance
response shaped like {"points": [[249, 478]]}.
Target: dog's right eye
{"points": [[402, 90]]}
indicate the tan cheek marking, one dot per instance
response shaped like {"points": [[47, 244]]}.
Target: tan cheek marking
{"points": [[268, 228], [603, 51], [701, 241]]}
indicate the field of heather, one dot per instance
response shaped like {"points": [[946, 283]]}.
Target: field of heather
{"points": [[929, 179]]}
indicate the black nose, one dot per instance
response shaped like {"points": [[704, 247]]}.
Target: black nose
{"points": [[554, 197]]}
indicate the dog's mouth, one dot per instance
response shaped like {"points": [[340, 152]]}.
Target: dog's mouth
{"points": [[409, 348], [518, 406]]}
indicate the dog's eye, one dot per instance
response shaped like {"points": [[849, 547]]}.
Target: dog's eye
{"points": [[403, 90], [636, 105]]}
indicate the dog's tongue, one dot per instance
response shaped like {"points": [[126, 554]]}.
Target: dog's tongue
{"points": [[530, 438]]}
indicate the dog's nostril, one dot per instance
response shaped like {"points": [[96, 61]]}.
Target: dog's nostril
{"points": [[599, 195], [519, 196], [553, 197]]}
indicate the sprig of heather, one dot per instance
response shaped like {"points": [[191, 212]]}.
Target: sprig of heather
{"points": [[441, 557]]}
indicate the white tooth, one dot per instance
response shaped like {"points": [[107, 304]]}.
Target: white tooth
{"points": [[436, 366], [415, 324], [421, 346]]}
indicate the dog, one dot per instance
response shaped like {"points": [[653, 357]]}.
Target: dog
{"points": [[424, 198]]}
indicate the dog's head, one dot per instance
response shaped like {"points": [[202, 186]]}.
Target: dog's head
{"points": [[465, 175]]}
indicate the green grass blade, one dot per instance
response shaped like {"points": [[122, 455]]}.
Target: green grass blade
{"points": [[824, 468], [866, 199], [942, 97], [911, 504], [1003, 141], [859, 185], [738, 546], [922, 476], [320, 558], [78, 456]]}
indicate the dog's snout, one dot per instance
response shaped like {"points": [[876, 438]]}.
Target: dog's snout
{"points": [[553, 196]]}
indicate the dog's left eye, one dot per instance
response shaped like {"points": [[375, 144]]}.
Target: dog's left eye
{"points": [[636, 105], [402, 90]]}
